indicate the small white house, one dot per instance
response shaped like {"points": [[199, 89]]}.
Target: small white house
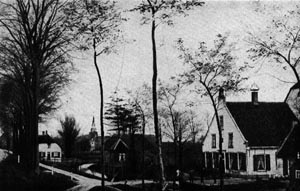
{"points": [[48, 149], [253, 134]]}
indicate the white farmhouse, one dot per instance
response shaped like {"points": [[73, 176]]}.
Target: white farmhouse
{"points": [[253, 135], [48, 149]]}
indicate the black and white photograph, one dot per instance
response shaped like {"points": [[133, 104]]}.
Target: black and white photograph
{"points": [[149, 95]]}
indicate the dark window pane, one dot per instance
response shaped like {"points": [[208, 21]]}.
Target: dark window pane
{"points": [[227, 161], [268, 165], [213, 141], [209, 160], [221, 121], [216, 159], [230, 140], [233, 158], [255, 162], [242, 161]]}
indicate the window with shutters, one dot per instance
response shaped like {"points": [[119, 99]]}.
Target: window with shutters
{"points": [[213, 141], [261, 162]]}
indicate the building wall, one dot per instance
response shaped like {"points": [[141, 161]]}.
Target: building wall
{"points": [[52, 148], [229, 127], [240, 146], [276, 164]]}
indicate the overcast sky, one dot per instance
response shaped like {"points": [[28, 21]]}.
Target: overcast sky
{"points": [[132, 65]]}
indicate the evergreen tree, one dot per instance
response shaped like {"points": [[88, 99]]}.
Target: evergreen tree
{"points": [[122, 116]]}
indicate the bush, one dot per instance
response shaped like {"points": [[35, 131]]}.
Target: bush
{"points": [[14, 177]]}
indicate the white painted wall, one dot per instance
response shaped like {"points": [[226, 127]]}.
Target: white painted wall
{"points": [[276, 164], [53, 147], [239, 145], [229, 127]]}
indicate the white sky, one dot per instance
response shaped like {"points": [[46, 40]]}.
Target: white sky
{"points": [[133, 64]]}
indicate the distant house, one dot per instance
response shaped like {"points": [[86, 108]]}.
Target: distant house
{"points": [[119, 149], [253, 135], [48, 149]]}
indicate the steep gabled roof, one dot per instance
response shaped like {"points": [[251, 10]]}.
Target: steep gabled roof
{"points": [[45, 139], [295, 86], [291, 145], [263, 124], [113, 141]]}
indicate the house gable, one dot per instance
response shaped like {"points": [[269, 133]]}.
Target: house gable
{"points": [[230, 133]]}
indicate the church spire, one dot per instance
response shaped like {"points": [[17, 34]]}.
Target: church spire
{"points": [[93, 128], [93, 122]]}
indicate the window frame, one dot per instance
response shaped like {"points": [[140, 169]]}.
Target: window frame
{"points": [[55, 154], [266, 163], [42, 154], [122, 157], [230, 140], [297, 174], [221, 120], [213, 140]]}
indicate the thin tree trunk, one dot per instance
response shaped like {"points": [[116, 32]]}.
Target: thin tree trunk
{"points": [[35, 117], [101, 114], [180, 149], [175, 160], [221, 158], [155, 112], [143, 153]]}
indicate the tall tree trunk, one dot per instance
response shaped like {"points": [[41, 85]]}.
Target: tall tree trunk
{"points": [[143, 153], [101, 114], [180, 149], [175, 161], [155, 112], [221, 157], [35, 116]]}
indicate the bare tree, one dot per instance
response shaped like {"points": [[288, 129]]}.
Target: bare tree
{"points": [[211, 70], [279, 41], [168, 96], [96, 24], [33, 51], [140, 99], [159, 12]]}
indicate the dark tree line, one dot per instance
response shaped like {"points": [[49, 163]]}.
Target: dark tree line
{"points": [[34, 60]]}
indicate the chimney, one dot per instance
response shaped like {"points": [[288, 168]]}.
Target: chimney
{"points": [[221, 95], [254, 94]]}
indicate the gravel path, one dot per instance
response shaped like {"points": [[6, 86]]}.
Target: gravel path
{"points": [[85, 183]]}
